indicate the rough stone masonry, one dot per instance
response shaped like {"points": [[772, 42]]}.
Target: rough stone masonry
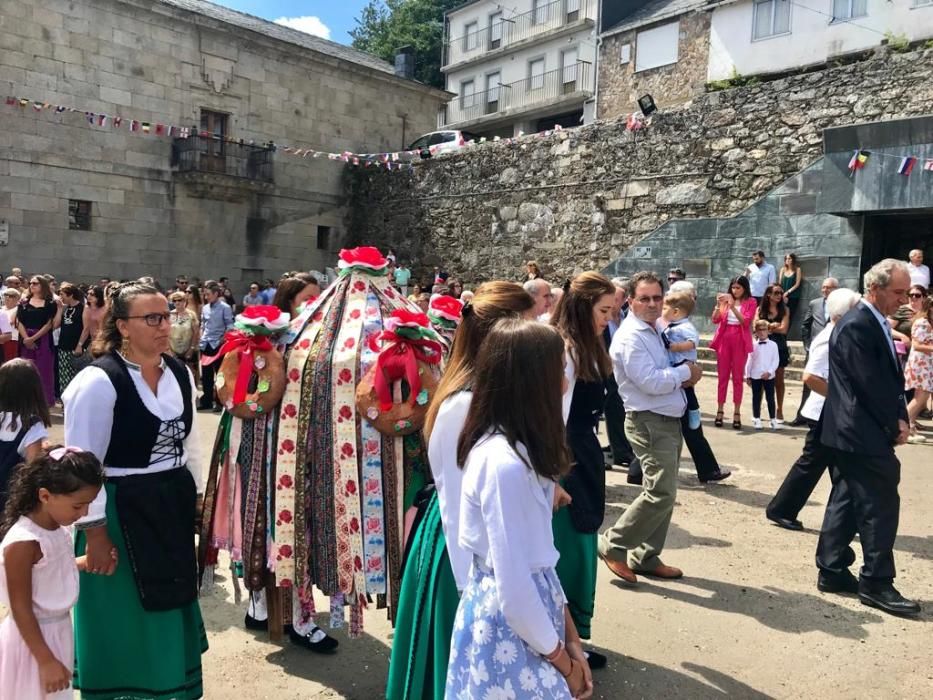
{"points": [[579, 198]]}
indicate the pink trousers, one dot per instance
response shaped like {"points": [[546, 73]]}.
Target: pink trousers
{"points": [[730, 362]]}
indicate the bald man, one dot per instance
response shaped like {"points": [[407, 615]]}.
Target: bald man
{"points": [[540, 291]]}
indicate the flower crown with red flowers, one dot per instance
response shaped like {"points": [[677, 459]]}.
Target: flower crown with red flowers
{"points": [[362, 259], [445, 311], [262, 320]]}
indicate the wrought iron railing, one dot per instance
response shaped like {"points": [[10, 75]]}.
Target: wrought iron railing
{"points": [[207, 154], [533, 90], [503, 31]]}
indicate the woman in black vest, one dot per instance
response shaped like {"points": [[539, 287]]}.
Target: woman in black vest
{"points": [[581, 315], [138, 627]]}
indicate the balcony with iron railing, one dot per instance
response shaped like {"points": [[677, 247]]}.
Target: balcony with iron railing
{"points": [[222, 168], [567, 84], [507, 32]]}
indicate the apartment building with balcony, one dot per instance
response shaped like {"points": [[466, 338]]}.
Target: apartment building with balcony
{"points": [[523, 68]]}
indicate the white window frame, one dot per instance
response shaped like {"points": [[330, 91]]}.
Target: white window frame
{"points": [[532, 75], [493, 87], [773, 4], [572, 68], [851, 8], [495, 27], [653, 35], [537, 8], [922, 3], [467, 99], [471, 36]]}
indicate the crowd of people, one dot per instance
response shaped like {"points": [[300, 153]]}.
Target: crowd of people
{"points": [[507, 597]]}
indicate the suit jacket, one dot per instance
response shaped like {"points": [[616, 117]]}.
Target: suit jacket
{"points": [[866, 387], [813, 322]]}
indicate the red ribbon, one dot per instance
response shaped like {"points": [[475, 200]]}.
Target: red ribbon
{"points": [[400, 361], [246, 345]]}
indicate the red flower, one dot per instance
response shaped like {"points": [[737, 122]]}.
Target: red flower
{"points": [[355, 314], [409, 317], [286, 551], [285, 583], [270, 313], [354, 525], [450, 307], [288, 445], [304, 344], [286, 481], [359, 285], [357, 564], [363, 254], [347, 451], [318, 315], [285, 516], [351, 488], [345, 413], [390, 292], [294, 375], [349, 343], [345, 376], [290, 410]]}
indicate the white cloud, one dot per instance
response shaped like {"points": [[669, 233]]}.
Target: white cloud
{"points": [[308, 25]]}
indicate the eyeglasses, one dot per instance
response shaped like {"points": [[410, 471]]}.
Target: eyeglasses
{"points": [[32, 283], [915, 295], [650, 300], [673, 279], [152, 320], [777, 292]]}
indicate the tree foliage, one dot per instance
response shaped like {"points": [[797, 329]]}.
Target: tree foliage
{"points": [[385, 26]]}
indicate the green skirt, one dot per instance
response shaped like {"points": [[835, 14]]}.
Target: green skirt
{"points": [[426, 610], [123, 651], [576, 569]]}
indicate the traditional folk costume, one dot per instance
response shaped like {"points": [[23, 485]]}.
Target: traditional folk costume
{"points": [[511, 614], [319, 483], [576, 526], [139, 633], [437, 568]]}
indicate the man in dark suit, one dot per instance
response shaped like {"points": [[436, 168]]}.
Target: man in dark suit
{"points": [[814, 322], [614, 412], [864, 417]]}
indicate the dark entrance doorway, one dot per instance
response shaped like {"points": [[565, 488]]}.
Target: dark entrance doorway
{"points": [[895, 234]]}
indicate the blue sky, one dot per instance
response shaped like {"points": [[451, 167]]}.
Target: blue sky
{"points": [[332, 19]]}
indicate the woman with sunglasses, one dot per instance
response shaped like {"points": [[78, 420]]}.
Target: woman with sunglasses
{"points": [[918, 374], [777, 314], [137, 621], [902, 320], [35, 320]]}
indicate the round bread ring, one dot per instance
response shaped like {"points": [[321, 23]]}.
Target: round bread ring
{"points": [[403, 418], [268, 371]]}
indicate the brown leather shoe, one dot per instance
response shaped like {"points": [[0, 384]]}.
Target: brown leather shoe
{"points": [[664, 571], [620, 569]]}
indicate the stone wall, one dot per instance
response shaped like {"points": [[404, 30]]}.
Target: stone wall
{"points": [[581, 199], [156, 62], [671, 86]]}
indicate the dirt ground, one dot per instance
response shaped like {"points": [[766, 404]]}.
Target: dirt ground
{"points": [[745, 622]]}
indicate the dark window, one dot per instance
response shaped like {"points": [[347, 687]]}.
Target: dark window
{"points": [[420, 143], [323, 237], [79, 215], [214, 127]]}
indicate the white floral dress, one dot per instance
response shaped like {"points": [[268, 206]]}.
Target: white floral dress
{"points": [[919, 371], [488, 661]]}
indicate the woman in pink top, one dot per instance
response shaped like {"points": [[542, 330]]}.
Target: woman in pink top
{"points": [[732, 342]]}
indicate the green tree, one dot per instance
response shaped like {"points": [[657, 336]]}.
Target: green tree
{"points": [[385, 26]]}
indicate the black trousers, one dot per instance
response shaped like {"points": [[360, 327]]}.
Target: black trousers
{"points": [[803, 476], [759, 386], [803, 400], [614, 412], [700, 451], [207, 376], [864, 500]]}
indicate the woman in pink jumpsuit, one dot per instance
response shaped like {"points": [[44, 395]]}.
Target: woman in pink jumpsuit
{"points": [[732, 342]]}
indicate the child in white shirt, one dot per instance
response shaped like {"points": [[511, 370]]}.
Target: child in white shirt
{"points": [[681, 338], [760, 367]]}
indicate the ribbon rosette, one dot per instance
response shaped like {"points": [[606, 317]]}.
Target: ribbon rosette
{"points": [[446, 312], [250, 335], [362, 259], [406, 340]]}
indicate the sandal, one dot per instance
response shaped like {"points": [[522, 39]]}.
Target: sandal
{"points": [[718, 421], [736, 421]]}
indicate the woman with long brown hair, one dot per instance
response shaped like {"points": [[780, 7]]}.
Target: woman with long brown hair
{"points": [[35, 320], [513, 623], [437, 568], [777, 314], [581, 315]]}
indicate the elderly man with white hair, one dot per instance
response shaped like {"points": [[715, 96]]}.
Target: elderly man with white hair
{"points": [[540, 291], [919, 273], [806, 472], [814, 322]]}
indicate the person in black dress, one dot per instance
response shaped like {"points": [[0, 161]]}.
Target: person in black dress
{"points": [[72, 327], [775, 312]]}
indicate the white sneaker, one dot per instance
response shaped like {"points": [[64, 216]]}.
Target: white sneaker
{"points": [[757, 423], [916, 439], [776, 424]]}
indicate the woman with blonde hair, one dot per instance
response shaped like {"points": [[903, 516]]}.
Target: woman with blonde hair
{"points": [[436, 568], [186, 330], [581, 315], [919, 372], [532, 271]]}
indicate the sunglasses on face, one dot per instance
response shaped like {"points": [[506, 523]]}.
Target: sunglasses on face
{"points": [[915, 295], [153, 320]]}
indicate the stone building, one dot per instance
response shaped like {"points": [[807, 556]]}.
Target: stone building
{"points": [[84, 200], [756, 167], [672, 49]]}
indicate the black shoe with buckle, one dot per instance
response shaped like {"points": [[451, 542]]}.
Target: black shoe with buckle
{"points": [[317, 640]]}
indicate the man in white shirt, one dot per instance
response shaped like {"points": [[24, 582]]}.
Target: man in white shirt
{"points": [[806, 472], [919, 273], [652, 392], [760, 275]]}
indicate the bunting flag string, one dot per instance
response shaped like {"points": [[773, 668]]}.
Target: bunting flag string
{"points": [[390, 160], [905, 165]]}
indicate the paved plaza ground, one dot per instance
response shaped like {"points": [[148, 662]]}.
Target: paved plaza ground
{"points": [[745, 622]]}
